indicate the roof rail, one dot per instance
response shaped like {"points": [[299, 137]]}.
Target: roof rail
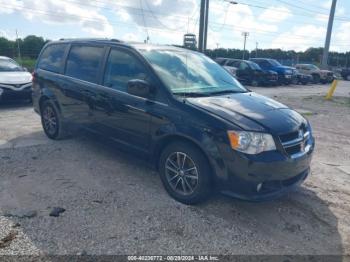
{"points": [[116, 40]]}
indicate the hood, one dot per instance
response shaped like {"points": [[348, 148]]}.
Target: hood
{"points": [[286, 68], [252, 112], [15, 78]]}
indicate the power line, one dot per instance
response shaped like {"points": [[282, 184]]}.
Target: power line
{"points": [[144, 21], [281, 11], [49, 14], [256, 31]]}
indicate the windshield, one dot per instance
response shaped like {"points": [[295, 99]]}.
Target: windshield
{"points": [[190, 73], [313, 67], [274, 62], [254, 65], [9, 65]]}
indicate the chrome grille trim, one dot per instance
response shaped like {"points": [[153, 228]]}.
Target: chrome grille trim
{"points": [[296, 147]]}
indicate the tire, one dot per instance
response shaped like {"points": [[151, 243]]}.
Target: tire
{"points": [[52, 122], [295, 81], [316, 79], [254, 83], [176, 181]]}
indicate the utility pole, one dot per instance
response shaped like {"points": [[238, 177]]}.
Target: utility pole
{"points": [[203, 23], [256, 49], [206, 25], [329, 35], [245, 34], [18, 48]]}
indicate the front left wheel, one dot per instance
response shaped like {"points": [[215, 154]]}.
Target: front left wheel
{"points": [[185, 173]]}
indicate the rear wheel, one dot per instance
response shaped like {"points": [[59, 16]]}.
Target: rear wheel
{"points": [[316, 79], [185, 173], [51, 121]]}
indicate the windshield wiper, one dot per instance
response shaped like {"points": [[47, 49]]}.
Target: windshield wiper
{"points": [[226, 92], [190, 94]]}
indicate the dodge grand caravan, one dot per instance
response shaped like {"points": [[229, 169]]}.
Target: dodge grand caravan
{"points": [[199, 126]]}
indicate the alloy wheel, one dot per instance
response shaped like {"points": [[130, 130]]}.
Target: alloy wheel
{"points": [[50, 120], [181, 173]]}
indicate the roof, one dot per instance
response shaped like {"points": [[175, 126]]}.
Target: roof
{"points": [[136, 45], [4, 57]]}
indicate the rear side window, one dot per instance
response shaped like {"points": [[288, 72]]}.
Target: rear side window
{"points": [[121, 68], [232, 63], [52, 58], [84, 62], [220, 61]]}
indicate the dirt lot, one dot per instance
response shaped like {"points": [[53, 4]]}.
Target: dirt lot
{"points": [[117, 205]]}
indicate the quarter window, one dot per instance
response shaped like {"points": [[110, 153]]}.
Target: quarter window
{"points": [[52, 57], [84, 62]]}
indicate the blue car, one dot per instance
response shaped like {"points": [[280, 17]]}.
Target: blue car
{"points": [[285, 73]]}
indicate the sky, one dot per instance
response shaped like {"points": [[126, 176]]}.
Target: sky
{"points": [[286, 24]]}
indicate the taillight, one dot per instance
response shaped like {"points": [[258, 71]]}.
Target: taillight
{"points": [[33, 76]]}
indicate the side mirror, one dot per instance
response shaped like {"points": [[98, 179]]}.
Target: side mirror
{"points": [[139, 87], [25, 69]]}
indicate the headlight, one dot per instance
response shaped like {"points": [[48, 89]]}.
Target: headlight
{"points": [[288, 72], [251, 142]]}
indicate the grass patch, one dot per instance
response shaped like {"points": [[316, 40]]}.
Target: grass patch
{"points": [[26, 62]]}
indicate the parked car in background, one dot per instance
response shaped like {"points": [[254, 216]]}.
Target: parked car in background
{"points": [[250, 73], [182, 111], [15, 81], [345, 73], [299, 78], [229, 64], [318, 75], [285, 73]]}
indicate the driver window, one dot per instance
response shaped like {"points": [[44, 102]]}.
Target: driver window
{"points": [[121, 68]]}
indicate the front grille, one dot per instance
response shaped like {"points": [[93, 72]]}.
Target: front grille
{"points": [[289, 136], [293, 149], [294, 142], [17, 87]]}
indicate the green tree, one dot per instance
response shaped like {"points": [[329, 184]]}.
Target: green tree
{"points": [[6, 47], [31, 46]]}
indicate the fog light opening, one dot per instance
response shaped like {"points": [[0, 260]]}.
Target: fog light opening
{"points": [[258, 187]]}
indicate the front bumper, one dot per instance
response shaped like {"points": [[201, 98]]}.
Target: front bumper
{"points": [[285, 78], [15, 91], [269, 79], [265, 176]]}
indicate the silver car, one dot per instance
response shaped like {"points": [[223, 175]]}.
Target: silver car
{"points": [[15, 81]]}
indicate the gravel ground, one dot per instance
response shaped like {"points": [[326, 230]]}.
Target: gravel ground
{"points": [[116, 205]]}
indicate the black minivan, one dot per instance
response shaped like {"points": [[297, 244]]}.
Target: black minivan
{"points": [[179, 109]]}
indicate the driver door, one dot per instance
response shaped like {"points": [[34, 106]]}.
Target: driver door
{"points": [[117, 114]]}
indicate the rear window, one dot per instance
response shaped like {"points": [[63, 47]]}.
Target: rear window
{"points": [[83, 62], [52, 58]]}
